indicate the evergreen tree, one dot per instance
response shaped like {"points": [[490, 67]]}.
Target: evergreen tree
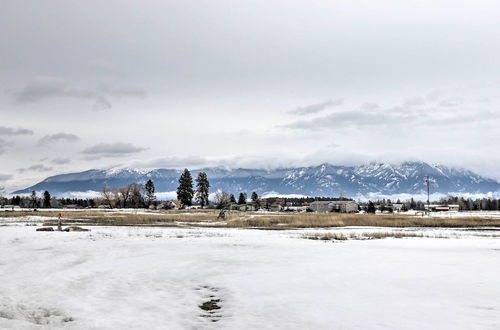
{"points": [[371, 207], [242, 199], [232, 200], [185, 191], [256, 199], [202, 186], [150, 192], [46, 199]]}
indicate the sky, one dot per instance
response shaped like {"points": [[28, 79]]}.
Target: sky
{"points": [[174, 84]]}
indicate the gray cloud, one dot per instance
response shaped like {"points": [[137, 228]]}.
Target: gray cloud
{"points": [[112, 149], [415, 101], [353, 118], [35, 168], [394, 116], [101, 103], [434, 96], [41, 88], [58, 137], [3, 146], [5, 177], [61, 161], [318, 107], [370, 106], [8, 131], [451, 102]]}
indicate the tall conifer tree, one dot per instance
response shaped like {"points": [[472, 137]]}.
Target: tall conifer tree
{"points": [[202, 187], [185, 190]]}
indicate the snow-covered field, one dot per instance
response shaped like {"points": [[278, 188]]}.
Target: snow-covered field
{"points": [[156, 278], [467, 214]]}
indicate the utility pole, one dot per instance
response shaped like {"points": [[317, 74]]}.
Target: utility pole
{"points": [[427, 183]]}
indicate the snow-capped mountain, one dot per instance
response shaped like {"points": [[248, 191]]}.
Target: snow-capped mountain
{"points": [[322, 180]]}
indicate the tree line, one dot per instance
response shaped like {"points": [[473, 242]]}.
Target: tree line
{"points": [[188, 192]]}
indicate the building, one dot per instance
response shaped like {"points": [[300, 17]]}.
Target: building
{"points": [[334, 206], [397, 207], [276, 207], [242, 207], [295, 208], [442, 208]]}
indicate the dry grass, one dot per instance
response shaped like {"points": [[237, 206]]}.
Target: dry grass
{"points": [[361, 236], [236, 219], [342, 220]]}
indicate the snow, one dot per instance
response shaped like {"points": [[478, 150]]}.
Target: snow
{"points": [[155, 278]]}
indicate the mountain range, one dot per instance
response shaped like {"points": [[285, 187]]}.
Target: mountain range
{"points": [[323, 180]]}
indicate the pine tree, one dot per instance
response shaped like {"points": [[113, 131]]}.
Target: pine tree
{"points": [[232, 200], [202, 186], [46, 199], [256, 199], [185, 191], [371, 207], [150, 192], [242, 199]]}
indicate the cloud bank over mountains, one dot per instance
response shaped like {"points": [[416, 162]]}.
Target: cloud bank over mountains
{"points": [[259, 84]]}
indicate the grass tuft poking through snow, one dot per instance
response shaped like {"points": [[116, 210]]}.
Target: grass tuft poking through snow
{"points": [[365, 235]]}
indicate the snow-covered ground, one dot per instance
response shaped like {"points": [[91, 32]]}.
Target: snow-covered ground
{"points": [[467, 214], [156, 278]]}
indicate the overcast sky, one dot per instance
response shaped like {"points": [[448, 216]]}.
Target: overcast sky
{"points": [[93, 84]]}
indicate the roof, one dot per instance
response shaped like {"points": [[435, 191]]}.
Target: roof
{"points": [[335, 202]]}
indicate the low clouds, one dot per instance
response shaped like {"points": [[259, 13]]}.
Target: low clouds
{"points": [[58, 137], [432, 110], [317, 107], [353, 118], [112, 150], [9, 131], [42, 88], [35, 168], [5, 177], [61, 161], [174, 162]]}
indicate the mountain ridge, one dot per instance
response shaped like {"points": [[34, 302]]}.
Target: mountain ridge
{"points": [[322, 180]]}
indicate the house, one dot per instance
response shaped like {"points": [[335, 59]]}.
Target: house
{"points": [[177, 204], [334, 206], [397, 207], [295, 208], [11, 207], [242, 207], [276, 207]]}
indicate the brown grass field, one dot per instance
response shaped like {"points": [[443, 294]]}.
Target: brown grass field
{"points": [[236, 219]]}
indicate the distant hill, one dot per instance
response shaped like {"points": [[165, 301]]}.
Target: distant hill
{"points": [[322, 180]]}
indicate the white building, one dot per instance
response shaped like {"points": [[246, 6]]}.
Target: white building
{"points": [[442, 208]]}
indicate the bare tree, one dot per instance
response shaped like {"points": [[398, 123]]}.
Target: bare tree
{"points": [[123, 195], [137, 195], [33, 199], [108, 197], [221, 199]]}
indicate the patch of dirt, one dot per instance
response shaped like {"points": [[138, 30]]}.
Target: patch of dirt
{"points": [[212, 305]]}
